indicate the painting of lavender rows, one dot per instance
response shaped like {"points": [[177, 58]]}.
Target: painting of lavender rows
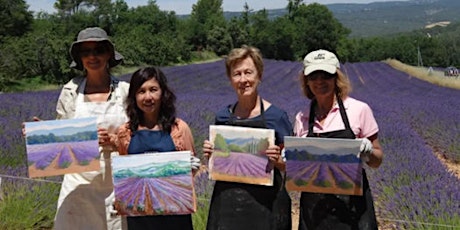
{"points": [[57, 147], [153, 184], [239, 154], [323, 165]]}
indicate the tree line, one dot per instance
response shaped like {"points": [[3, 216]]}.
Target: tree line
{"points": [[37, 44], [51, 138]]}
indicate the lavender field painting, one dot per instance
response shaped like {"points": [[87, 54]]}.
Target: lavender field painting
{"points": [[57, 147], [154, 184], [323, 165], [239, 154]]}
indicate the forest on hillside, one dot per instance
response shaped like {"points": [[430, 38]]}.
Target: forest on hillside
{"points": [[36, 45]]}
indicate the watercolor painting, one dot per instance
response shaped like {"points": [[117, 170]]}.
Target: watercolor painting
{"points": [[323, 165], [58, 147], [154, 184], [239, 154]]}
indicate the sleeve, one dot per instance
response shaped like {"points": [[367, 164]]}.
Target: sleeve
{"points": [[124, 91], [301, 125], [60, 107], [369, 125], [65, 107], [182, 136], [222, 116], [284, 128], [123, 139]]}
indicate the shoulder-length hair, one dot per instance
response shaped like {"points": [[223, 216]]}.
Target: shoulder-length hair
{"points": [[342, 85], [167, 114], [238, 54]]}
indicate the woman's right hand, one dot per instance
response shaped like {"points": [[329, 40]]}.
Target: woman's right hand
{"points": [[208, 148], [24, 125]]}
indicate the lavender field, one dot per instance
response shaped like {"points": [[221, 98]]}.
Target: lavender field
{"points": [[412, 189]]}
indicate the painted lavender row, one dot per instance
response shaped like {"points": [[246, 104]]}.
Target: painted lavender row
{"points": [[415, 119]]}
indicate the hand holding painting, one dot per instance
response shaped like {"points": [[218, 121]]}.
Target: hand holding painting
{"points": [[273, 153], [24, 127], [107, 129], [365, 150], [103, 136], [111, 210], [196, 162], [208, 148]]}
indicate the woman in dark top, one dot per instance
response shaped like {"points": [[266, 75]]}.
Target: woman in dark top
{"points": [[247, 206], [154, 127]]}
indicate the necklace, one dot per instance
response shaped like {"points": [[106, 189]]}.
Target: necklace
{"points": [[321, 115]]}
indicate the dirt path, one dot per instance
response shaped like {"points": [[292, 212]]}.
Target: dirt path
{"points": [[451, 166]]}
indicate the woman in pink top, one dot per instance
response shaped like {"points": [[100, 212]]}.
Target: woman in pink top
{"points": [[333, 114]]}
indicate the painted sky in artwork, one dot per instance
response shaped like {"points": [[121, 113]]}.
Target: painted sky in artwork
{"points": [[61, 127]]}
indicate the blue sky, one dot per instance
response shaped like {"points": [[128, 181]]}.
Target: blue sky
{"points": [[185, 6], [61, 127]]}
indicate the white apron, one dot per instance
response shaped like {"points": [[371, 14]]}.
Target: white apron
{"points": [[85, 201]]}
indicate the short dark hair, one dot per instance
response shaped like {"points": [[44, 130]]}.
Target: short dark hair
{"points": [[167, 115]]}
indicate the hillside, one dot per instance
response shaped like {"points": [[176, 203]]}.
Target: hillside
{"points": [[383, 18], [387, 18]]}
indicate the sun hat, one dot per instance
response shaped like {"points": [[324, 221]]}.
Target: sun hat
{"points": [[320, 60], [92, 34]]}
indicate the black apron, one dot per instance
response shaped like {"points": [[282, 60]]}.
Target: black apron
{"points": [[238, 206], [329, 211]]}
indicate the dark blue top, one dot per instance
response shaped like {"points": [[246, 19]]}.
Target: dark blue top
{"points": [[275, 118], [248, 206], [150, 141]]}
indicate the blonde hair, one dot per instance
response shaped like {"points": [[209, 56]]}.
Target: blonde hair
{"points": [[238, 54], [342, 85]]}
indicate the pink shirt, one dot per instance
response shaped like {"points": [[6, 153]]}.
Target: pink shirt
{"points": [[359, 114]]}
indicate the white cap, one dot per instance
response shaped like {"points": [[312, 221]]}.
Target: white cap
{"points": [[320, 60]]}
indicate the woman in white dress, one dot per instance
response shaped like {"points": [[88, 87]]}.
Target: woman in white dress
{"points": [[85, 199]]}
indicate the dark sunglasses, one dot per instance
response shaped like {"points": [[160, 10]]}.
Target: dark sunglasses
{"points": [[97, 51], [323, 76]]}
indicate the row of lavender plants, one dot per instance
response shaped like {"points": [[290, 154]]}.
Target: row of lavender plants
{"points": [[24, 203], [416, 119]]}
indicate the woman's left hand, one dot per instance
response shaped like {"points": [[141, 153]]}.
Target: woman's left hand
{"points": [[103, 137]]}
